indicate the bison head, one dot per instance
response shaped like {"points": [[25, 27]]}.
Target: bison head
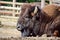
{"points": [[25, 23]]}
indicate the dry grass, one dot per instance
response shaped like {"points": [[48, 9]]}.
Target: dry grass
{"points": [[9, 31]]}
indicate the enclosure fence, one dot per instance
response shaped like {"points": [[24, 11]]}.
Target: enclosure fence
{"points": [[9, 13], [10, 10]]}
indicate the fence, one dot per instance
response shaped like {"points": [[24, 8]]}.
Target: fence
{"points": [[8, 13], [12, 10], [8, 20]]}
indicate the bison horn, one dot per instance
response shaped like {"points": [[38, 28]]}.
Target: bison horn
{"points": [[36, 9]]}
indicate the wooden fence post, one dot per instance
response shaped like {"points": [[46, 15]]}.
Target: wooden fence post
{"points": [[50, 1], [13, 7], [42, 3]]}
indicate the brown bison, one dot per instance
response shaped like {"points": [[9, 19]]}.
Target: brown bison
{"points": [[34, 21]]}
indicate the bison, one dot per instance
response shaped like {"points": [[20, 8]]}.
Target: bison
{"points": [[34, 21]]}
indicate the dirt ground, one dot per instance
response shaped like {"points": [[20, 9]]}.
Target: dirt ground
{"points": [[9, 32]]}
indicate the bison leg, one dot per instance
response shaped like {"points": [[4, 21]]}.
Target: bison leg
{"points": [[54, 28], [56, 33]]}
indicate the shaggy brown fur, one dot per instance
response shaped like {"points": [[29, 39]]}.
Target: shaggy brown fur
{"points": [[54, 13], [51, 10], [53, 27], [45, 16]]}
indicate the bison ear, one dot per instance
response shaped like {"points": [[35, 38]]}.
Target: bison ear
{"points": [[35, 10]]}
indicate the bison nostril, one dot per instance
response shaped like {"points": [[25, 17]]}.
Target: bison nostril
{"points": [[18, 27]]}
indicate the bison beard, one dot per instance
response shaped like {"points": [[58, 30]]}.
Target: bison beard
{"points": [[36, 25]]}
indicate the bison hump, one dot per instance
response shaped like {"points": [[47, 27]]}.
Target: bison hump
{"points": [[50, 10]]}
